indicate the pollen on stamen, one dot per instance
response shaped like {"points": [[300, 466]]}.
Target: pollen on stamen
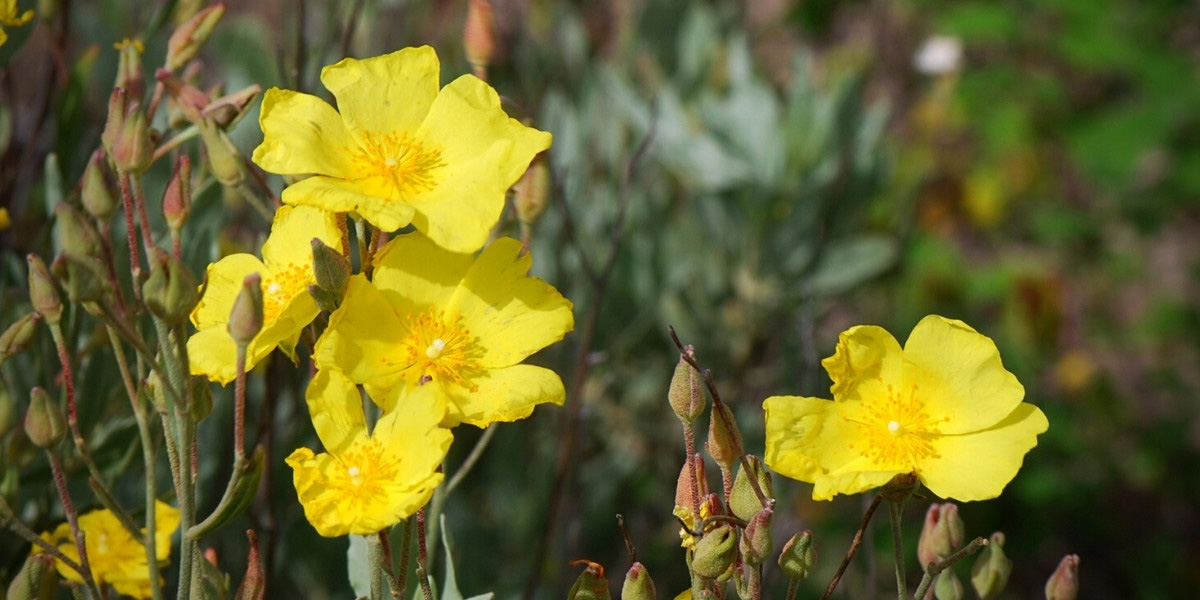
{"points": [[893, 427], [435, 348]]}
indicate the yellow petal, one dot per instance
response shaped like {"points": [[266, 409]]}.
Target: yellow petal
{"points": [[506, 394], [211, 352], [977, 466], [225, 278], [414, 426], [166, 521], [389, 93], [363, 336], [512, 314], [341, 196], [292, 232], [336, 409], [959, 375], [863, 352], [302, 134], [414, 273]]}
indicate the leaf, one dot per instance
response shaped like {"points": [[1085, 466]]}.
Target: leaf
{"points": [[847, 263], [243, 486], [450, 585], [357, 566]]}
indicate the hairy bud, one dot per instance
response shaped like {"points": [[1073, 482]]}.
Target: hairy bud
{"points": [[246, 318], [743, 502], [17, 337], [187, 40], [177, 199], [684, 394], [638, 585], [941, 535], [43, 292], [96, 190], [1064, 583], [757, 543], [171, 292], [724, 439], [990, 572], [714, 553], [797, 558], [591, 583], [44, 422]]}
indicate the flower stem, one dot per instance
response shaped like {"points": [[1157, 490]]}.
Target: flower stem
{"points": [[897, 512], [854, 544], [422, 557], [239, 411], [935, 569], [375, 560], [60, 482], [405, 558]]}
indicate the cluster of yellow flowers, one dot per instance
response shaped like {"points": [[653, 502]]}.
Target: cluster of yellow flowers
{"points": [[435, 335]]}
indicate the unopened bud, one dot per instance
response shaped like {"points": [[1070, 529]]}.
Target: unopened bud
{"points": [[76, 232], [126, 134], [591, 583], [37, 579], [246, 318], [757, 543], [941, 535], [688, 495], [177, 199], [1064, 583], [743, 501], [724, 439], [154, 393], [44, 423], [684, 394], [479, 36], [715, 552], [223, 158], [947, 586], [86, 277], [225, 111], [17, 337], [990, 572], [129, 68], [43, 292], [797, 557], [638, 585], [532, 192], [96, 191], [332, 271], [170, 292], [6, 417], [187, 40], [188, 98]]}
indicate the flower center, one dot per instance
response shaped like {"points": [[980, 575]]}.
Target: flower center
{"points": [[897, 429], [367, 470], [281, 286], [437, 350], [408, 165]]}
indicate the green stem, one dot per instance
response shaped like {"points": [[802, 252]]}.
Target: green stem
{"points": [[32, 537], [405, 558], [422, 556], [60, 482], [854, 544], [897, 513], [793, 585], [375, 560], [183, 429], [443, 492], [935, 569]]}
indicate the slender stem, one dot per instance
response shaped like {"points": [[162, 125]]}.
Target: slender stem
{"points": [[388, 565], [139, 202], [375, 562], [254, 201], [897, 513], [159, 88], [422, 557], [135, 265], [239, 411], [183, 428], [60, 482], [854, 544], [32, 537], [175, 142], [405, 557], [443, 492], [793, 585], [932, 570], [472, 458]]}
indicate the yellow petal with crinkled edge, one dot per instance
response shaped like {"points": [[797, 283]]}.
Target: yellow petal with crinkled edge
{"points": [[414, 273], [392, 92], [960, 375], [365, 197], [863, 352], [504, 395], [806, 437], [978, 465], [302, 134]]}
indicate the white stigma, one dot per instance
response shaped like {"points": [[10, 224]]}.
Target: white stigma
{"points": [[274, 288], [354, 475], [435, 349], [894, 427]]}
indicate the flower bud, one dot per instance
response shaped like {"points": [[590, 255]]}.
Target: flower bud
{"points": [[126, 134], [724, 439], [743, 502], [223, 158], [687, 495], [37, 579], [532, 191], [941, 535], [171, 291], [1064, 583], [187, 40], [96, 190], [44, 423], [715, 552], [177, 199], [479, 36], [947, 586], [331, 270], [638, 585], [43, 292], [6, 417], [591, 584], [86, 277], [17, 337], [188, 98], [246, 318], [756, 541], [684, 394], [990, 572], [797, 557], [227, 110], [76, 233], [129, 68], [154, 393]]}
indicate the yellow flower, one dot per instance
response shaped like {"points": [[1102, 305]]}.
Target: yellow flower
{"points": [[942, 407], [453, 323], [400, 151], [364, 482], [10, 18], [115, 557], [287, 306]]}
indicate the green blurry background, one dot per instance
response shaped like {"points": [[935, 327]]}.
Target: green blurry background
{"points": [[802, 175]]}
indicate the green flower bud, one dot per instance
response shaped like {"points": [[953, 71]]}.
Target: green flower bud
{"points": [[990, 572], [44, 423], [638, 585], [941, 535], [187, 40], [227, 110], [742, 500], [724, 439], [797, 557], [86, 277], [1064, 583], [76, 232], [43, 292], [332, 272], [532, 191], [246, 318], [171, 292], [947, 586], [126, 134], [37, 580], [96, 190], [684, 394], [756, 542], [177, 199], [153, 392], [17, 337], [224, 160], [715, 552], [591, 584]]}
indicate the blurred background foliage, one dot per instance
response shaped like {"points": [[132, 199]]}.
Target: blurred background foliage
{"points": [[800, 175]]}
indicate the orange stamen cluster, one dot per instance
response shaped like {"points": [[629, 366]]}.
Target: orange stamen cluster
{"points": [[281, 285], [897, 429], [410, 165], [438, 350]]}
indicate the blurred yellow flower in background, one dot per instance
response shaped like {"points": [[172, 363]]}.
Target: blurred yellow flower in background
{"points": [[943, 407], [286, 271], [116, 558], [400, 151], [367, 481], [10, 18], [454, 323]]}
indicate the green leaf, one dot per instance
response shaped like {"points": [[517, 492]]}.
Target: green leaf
{"points": [[358, 568], [450, 585], [243, 485], [850, 262]]}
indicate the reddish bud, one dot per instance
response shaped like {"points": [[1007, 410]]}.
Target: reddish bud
{"points": [[177, 199], [246, 318], [1064, 583], [186, 41], [479, 36]]}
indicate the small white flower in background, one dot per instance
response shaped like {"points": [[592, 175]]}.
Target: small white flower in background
{"points": [[939, 54]]}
